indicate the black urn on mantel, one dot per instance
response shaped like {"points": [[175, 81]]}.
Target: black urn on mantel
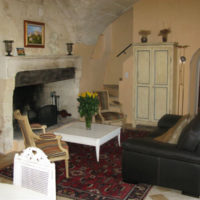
{"points": [[143, 39], [8, 46], [69, 48]]}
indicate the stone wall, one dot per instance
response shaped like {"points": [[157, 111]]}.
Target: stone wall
{"points": [[69, 89], [75, 21]]}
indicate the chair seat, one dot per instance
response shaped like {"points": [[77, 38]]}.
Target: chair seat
{"points": [[47, 136], [37, 125], [50, 147], [109, 116]]}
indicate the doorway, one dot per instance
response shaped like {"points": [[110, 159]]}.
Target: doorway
{"points": [[194, 88]]}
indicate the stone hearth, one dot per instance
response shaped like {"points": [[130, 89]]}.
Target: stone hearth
{"points": [[67, 89]]}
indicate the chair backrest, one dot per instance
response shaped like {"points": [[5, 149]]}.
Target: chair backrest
{"points": [[33, 170], [103, 99], [26, 130]]}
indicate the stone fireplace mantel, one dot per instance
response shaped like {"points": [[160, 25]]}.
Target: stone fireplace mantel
{"points": [[9, 67]]}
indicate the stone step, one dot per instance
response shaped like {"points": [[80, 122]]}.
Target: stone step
{"points": [[113, 90]]}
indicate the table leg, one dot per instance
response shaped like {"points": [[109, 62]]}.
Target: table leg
{"points": [[119, 139], [97, 152]]}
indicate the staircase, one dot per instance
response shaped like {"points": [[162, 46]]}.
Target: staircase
{"points": [[113, 91]]}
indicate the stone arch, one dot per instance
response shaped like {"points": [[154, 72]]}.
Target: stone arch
{"points": [[194, 82]]}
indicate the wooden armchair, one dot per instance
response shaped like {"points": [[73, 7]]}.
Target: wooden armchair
{"points": [[37, 126], [49, 143], [105, 114]]}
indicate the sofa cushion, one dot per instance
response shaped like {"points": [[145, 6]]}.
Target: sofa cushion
{"points": [[147, 146], [157, 132], [177, 132], [172, 135], [168, 120], [190, 136]]}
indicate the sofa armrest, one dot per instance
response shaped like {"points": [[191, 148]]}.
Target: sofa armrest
{"points": [[152, 147], [168, 120]]}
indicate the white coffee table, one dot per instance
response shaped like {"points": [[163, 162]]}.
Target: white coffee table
{"points": [[99, 134]]}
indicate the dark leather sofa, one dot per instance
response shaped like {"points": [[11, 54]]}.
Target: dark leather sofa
{"points": [[145, 160]]}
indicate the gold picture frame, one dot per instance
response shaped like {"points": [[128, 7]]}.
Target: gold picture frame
{"points": [[34, 34]]}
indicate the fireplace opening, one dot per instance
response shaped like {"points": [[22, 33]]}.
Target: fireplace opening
{"points": [[28, 100]]}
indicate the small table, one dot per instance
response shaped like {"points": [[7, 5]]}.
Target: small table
{"points": [[99, 134]]}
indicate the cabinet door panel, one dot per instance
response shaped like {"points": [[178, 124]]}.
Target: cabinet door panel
{"points": [[143, 100], [160, 102], [161, 67], [154, 82], [143, 67]]}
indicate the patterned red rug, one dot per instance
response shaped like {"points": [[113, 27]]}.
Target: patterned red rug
{"points": [[92, 180]]}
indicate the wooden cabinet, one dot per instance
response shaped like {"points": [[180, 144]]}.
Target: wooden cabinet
{"points": [[155, 75]]}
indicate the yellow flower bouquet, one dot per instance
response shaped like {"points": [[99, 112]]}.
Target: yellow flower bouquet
{"points": [[88, 106]]}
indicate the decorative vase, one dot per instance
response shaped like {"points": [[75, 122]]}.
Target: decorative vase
{"points": [[69, 48], [164, 38], [88, 122], [143, 39], [8, 46]]}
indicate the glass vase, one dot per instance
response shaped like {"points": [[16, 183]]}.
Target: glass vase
{"points": [[88, 122]]}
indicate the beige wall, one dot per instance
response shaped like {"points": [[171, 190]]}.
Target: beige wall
{"points": [[182, 17], [126, 88], [194, 80], [94, 60], [122, 36], [100, 64]]}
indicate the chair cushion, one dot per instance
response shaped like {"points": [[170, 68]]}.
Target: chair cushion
{"points": [[50, 147], [37, 125], [190, 136], [109, 116], [172, 135], [48, 136]]}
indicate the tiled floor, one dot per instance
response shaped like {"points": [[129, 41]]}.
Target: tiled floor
{"points": [[160, 193]]}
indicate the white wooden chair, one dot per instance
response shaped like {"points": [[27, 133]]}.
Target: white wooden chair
{"points": [[33, 170]]}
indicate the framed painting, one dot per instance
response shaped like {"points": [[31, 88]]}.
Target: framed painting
{"points": [[20, 51], [34, 34]]}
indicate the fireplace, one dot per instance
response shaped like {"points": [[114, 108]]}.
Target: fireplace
{"points": [[42, 75], [28, 100], [30, 91]]}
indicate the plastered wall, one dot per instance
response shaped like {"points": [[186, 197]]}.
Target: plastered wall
{"points": [[121, 37], [100, 62], [182, 17]]}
